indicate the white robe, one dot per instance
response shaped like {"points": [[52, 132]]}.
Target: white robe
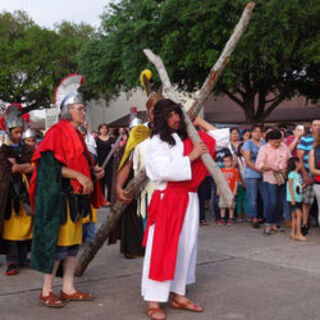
{"points": [[163, 164]]}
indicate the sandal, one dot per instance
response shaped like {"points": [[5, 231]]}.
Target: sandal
{"points": [[267, 231], [76, 296], [152, 311], [188, 305], [12, 269], [51, 300]]}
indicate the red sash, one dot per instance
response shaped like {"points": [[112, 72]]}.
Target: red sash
{"points": [[167, 210]]}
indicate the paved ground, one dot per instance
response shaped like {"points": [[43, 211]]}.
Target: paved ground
{"points": [[241, 274]]}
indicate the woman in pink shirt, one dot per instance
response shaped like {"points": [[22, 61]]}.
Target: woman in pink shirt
{"points": [[272, 160]]}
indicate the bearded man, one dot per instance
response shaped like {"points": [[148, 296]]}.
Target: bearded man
{"points": [[174, 166]]}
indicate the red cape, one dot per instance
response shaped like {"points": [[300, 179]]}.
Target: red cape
{"points": [[168, 212], [68, 147]]}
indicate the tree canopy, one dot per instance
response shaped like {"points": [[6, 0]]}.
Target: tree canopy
{"points": [[277, 58], [33, 59]]}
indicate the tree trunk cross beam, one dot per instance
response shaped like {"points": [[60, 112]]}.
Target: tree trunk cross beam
{"points": [[139, 181]]}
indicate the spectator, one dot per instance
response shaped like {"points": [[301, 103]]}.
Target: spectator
{"points": [[246, 135], [90, 141], [215, 197], [294, 197], [234, 140], [232, 177], [204, 194], [292, 141], [283, 134], [266, 130], [242, 199], [125, 136], [252, 176], [304, 147], [104, 143], [314, 166], [272, 161], [123, 131]]}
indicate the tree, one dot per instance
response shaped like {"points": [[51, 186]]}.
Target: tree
{"points": [[33, 59], [277, 58]]}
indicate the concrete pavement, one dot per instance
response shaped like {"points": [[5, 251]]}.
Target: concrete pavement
{"points": [[241, 274]]}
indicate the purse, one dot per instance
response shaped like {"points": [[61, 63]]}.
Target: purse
{"points": [[281, 177]]}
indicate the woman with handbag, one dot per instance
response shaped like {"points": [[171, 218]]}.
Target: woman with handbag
{"points": [[272, 161]]}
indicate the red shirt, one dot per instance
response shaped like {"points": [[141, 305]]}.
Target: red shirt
{"points": [[232, 176], [288, 141]]}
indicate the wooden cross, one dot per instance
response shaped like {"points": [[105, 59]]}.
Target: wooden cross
{"points": [[136, 184]]}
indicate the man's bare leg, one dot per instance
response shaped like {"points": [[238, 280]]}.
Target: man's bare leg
{"points": [[294, 225], [305, 213], [69, 265], [299, 236], [48, 279]]}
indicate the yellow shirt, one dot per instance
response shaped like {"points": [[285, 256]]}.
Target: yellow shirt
{"points": [[94, 217], [18, 227], [70, 233]]}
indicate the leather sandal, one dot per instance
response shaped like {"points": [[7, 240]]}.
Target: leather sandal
{"points": [[187, 306], [12, 269], [76, 296], [51, 300], [152, 311]]}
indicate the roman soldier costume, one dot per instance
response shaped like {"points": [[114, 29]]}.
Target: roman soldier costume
{"points": [[59, 204], [15, 211]]}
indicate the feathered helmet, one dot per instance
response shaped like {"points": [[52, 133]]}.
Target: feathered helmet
{"points": [[134, 120], [67, 92], [12, 117], [28, 134]]}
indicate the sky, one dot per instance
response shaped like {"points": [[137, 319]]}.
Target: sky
{"points": [[48, 12]]}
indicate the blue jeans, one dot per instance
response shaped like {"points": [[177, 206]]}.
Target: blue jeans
{"points": [[89, 231], [215, 200], [286, 209], [253, 187], [273, 206]]}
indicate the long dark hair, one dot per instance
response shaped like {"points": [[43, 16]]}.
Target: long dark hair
{"points": [[292, 164], [161, 114]]}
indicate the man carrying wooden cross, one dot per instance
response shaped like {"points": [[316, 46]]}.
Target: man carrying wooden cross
{"points": [[174, 166]]}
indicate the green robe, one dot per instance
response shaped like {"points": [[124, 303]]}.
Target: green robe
{"points": [[47, 213]]}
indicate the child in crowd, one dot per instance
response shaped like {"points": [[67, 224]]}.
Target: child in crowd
{"points": [[242, 199], [294, 197], [29, 138], [232, 177]]}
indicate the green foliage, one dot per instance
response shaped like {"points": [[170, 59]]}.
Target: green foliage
{"points": [[278, 54], [33, 59]]}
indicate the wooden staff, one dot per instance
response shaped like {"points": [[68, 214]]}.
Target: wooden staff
{"points": [[111, 152]]}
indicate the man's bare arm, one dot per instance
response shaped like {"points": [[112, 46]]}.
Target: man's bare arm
{"points": [[123, 176], [304, 172]]}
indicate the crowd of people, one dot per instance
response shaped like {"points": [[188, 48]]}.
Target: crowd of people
{"points": [[50, 191], [273, 172]]}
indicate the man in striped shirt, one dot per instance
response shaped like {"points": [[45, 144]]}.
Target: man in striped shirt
{"points": [[304, 147]]}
